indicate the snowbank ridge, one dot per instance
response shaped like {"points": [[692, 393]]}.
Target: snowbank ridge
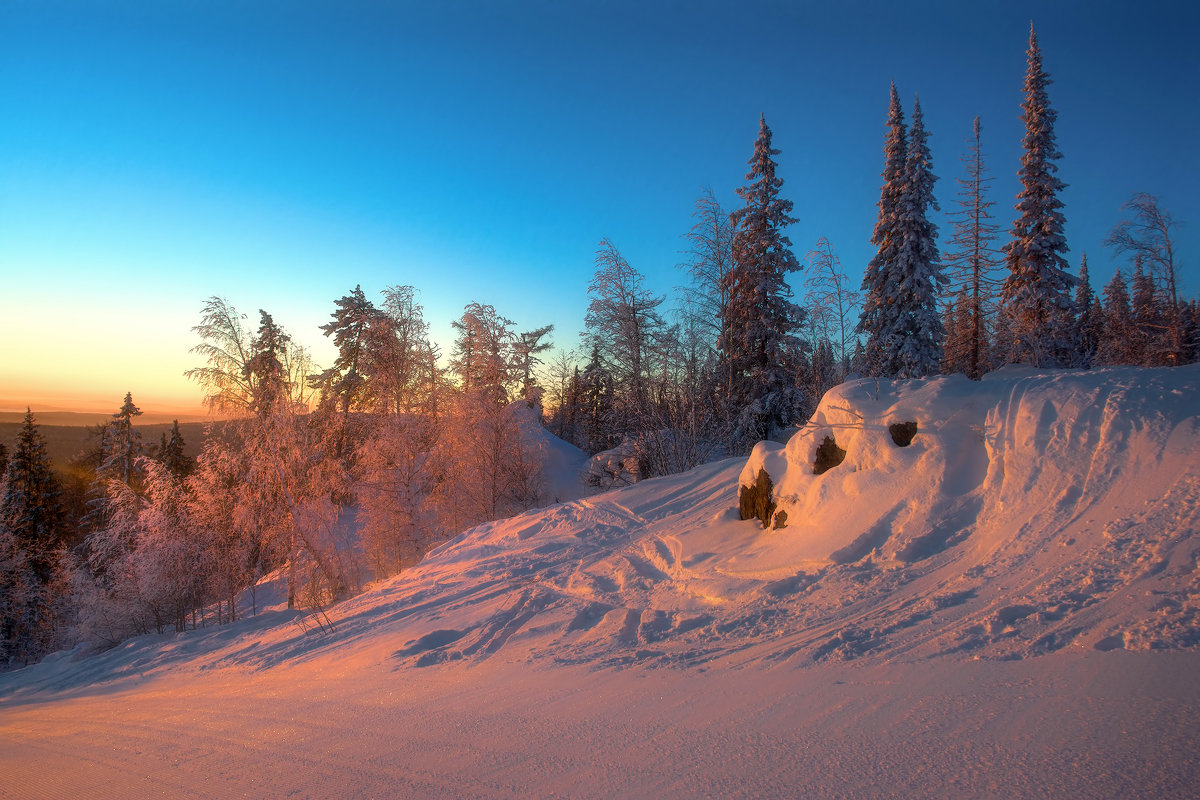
{"points": [[1030, 513]]}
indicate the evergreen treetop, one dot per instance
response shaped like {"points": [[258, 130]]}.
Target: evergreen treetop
{"points": [[1036, 294], [758, 335], [31, 507]]}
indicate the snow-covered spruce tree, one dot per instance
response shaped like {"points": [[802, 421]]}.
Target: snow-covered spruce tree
{"points": [[124, 445], [1119, 341], [119, 450], [265, 367], [31, 506], [19, 595], [904, 328], [972, 260], [343, 385], [877, 318], [758, 333], [1091, 317], [32, 531], [1036, 296], [227, 348]]}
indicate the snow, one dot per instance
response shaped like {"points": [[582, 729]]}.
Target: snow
{"points": [[1008, 606]]}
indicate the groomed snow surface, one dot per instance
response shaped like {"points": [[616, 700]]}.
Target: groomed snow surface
{"points": [[1009, 606]]}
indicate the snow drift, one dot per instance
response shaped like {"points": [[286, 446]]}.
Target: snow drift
{"points": [[977, 587], [1030, 512], [1051, 508]]}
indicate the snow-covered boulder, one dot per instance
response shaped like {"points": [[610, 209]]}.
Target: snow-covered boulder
{"points": [[926, 460]]}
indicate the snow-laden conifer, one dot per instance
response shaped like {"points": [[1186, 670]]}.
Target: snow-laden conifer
{"points": [[1036, 296], [876, 318], [901, 319], [31, 506], [918, 271], [1091, 317], [758, 335], [1119, 341], [123, 445]]}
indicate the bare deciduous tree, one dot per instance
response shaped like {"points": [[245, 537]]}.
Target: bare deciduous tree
{"points": [[1147, 232]]}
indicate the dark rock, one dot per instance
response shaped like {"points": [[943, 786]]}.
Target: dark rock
{"points": [[755, 501], [829, 455], [902, 433]]}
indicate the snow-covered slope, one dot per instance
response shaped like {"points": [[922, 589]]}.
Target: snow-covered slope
{"points": [[948, 618], [1030, 513]]}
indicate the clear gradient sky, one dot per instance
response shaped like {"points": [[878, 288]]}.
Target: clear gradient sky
{"points": [[153, 154]]}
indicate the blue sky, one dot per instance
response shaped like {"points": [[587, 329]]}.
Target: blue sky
{"points": [[278, 153]]}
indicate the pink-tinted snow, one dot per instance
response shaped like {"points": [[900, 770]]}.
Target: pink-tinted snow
{"points": [[1009, 606]]}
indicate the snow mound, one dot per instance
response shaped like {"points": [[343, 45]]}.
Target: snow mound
{"points": [[937, 619], [1056, 502], [1030, 513]]}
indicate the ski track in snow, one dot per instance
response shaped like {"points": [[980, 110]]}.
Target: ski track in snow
{"points": [[1037, 528]]}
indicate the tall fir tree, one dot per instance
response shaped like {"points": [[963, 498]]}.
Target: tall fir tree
{"points": [[918, 272], [1036, 296], [123, 445], [758, 335], [1118, 342], [1091, 317], [31, 508], [877, 318], [904, 328]]}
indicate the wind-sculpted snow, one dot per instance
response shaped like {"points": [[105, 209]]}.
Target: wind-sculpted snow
{"points": [[1030, 513], [1064, 505], [950, 618]]}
